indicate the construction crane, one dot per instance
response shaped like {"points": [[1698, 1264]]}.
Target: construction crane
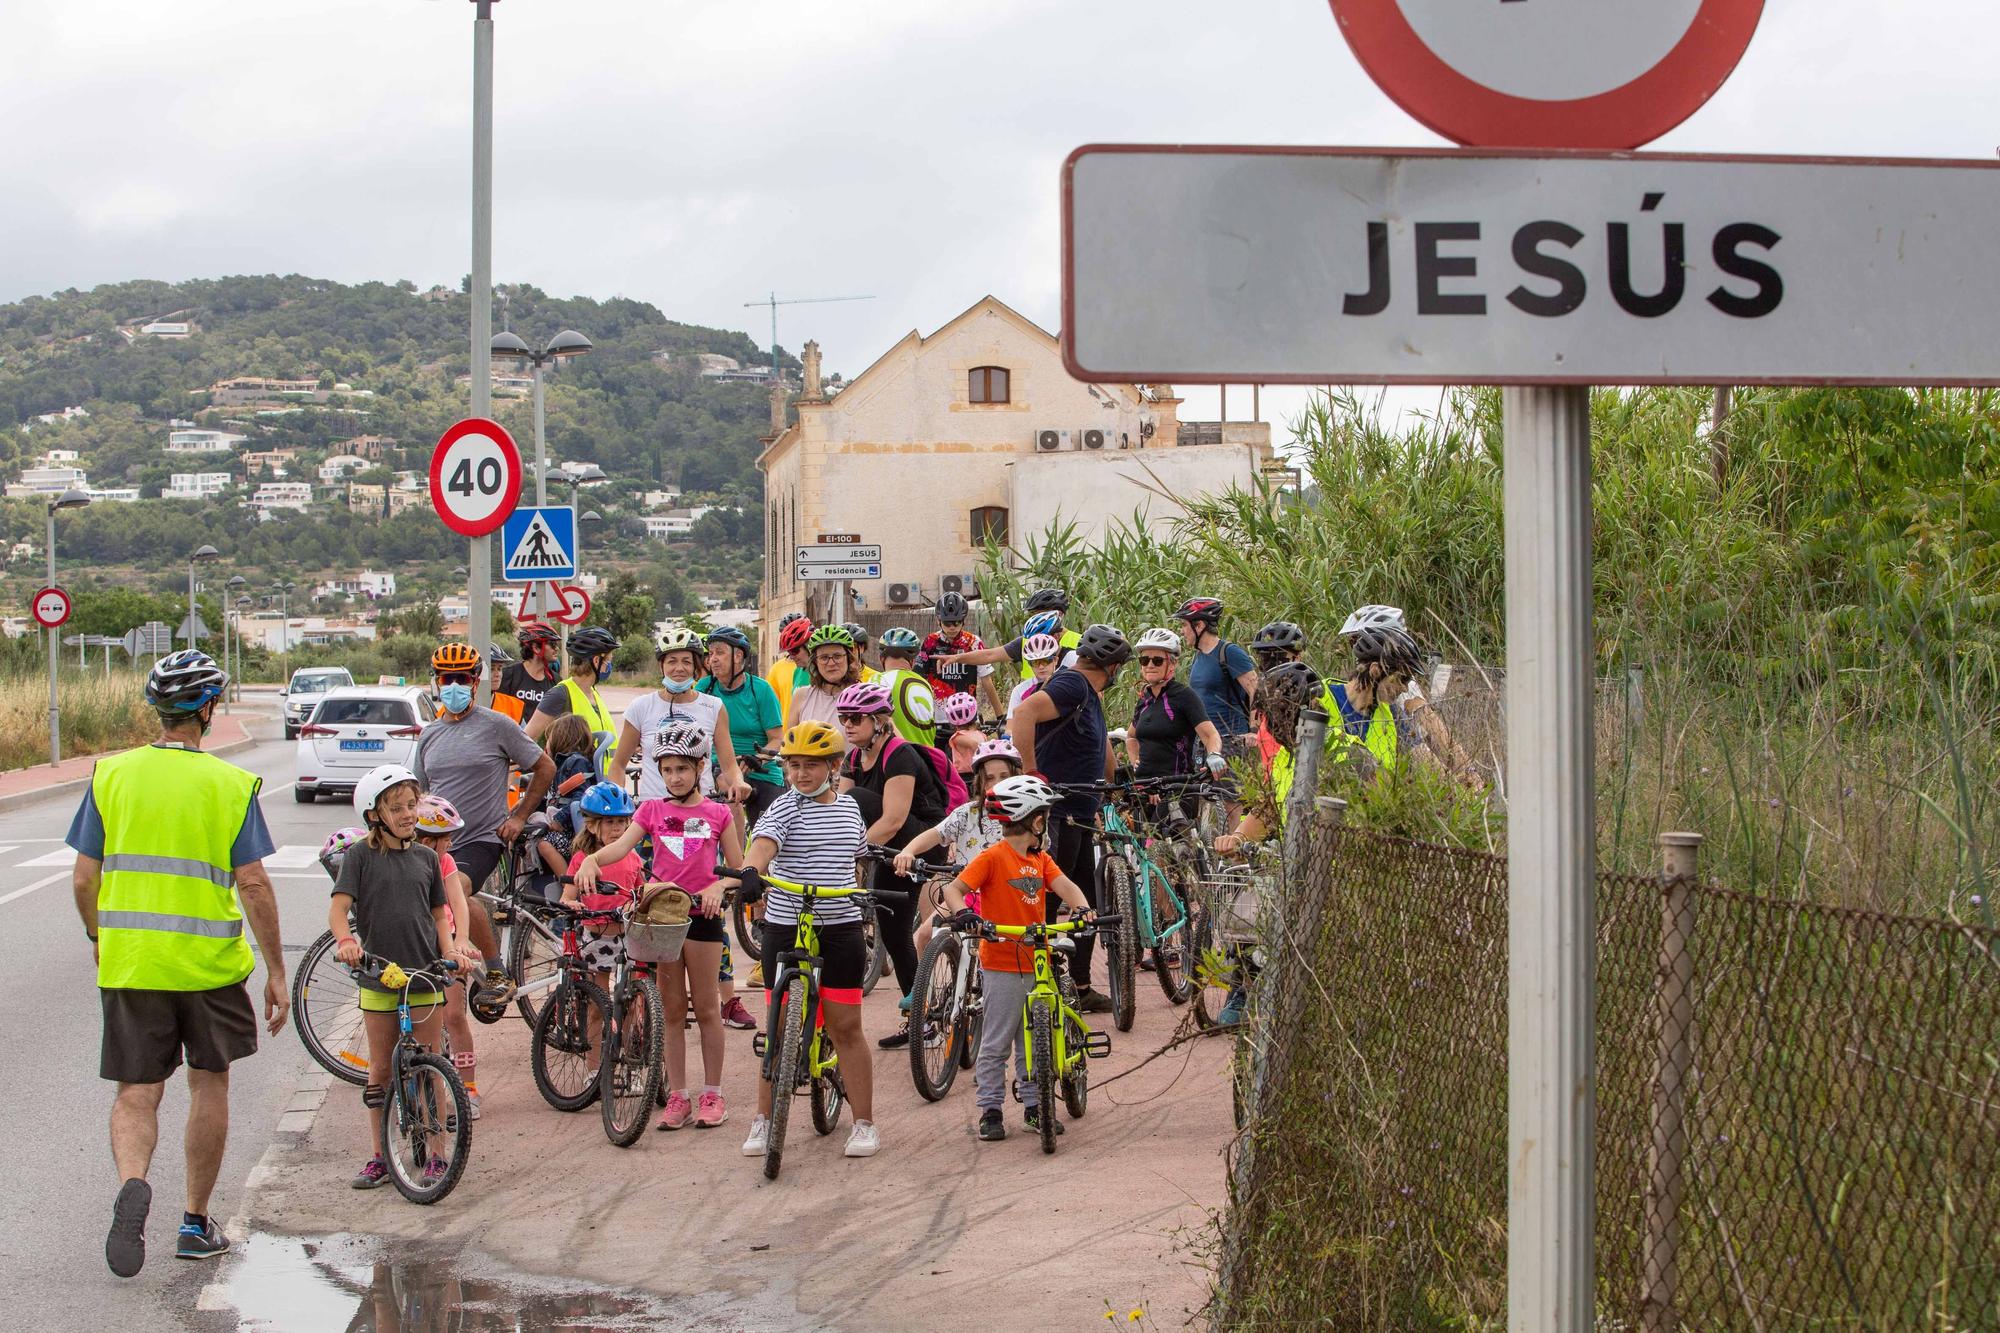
{"points": [[773, 302]]}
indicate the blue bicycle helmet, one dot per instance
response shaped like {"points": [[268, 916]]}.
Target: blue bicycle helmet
{"points": [[1047, 622], [607, 800], [734, 637]]}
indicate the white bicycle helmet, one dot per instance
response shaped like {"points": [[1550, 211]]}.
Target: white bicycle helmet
{"points": [[1012, 800], [1373, 616], [1040, 647], [681, 738], [1164, 639], [376, 781], [678, 638]]}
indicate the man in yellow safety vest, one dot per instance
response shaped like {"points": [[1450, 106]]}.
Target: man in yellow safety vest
{"points": [[170, 846]]}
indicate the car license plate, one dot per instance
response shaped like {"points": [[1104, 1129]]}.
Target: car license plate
{"points": [[367, 746]]}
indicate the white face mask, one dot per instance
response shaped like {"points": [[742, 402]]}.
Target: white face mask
{"points": [[822, 789]]}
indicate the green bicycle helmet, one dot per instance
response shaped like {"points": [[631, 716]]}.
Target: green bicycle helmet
{"points": [[829, 636]]}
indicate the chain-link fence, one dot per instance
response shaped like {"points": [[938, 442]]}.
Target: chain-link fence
{"points": [[1798, 1107]]}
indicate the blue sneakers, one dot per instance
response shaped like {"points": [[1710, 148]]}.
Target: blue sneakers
{"points": [[201, 1242], [1232, 1008]]}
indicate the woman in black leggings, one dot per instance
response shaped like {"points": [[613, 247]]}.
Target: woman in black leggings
{"points": [[901, 796]]}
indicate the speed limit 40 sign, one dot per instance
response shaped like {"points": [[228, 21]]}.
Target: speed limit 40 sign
{"points": [[475, 476]]}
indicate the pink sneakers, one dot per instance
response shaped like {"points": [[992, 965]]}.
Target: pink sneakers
{"points": [[679, 1108], [712, 1112]]}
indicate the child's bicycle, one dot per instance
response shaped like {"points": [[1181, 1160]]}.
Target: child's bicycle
{"points": [[630, 1079], [563, 1054], [1059, 1042], [946, 1002], [797, 1054], [426, 1117]]}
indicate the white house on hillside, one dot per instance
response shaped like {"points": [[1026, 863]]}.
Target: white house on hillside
{"points": [[197, 441], [196, 485]]}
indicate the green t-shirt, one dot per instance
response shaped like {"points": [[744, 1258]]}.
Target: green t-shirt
{"points": [[753, 710]]}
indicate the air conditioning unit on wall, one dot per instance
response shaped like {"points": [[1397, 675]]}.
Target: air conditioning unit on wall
{"points": [[965, 585], [904, 594], [1053, 441]]}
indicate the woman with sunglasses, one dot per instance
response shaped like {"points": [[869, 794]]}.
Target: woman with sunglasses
{"points": [[1169, 726]]}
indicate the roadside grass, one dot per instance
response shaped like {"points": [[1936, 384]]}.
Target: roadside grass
{"points": [[99, 714]]}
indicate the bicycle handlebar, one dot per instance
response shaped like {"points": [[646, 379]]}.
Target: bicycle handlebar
{"points": [[396, 977]]}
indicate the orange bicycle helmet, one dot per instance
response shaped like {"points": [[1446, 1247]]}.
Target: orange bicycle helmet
{"points": [[813, 740], [455, 657]]}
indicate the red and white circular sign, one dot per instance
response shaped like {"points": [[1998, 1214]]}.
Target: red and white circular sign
{"points": [[51, 607], [1605, 74], [475, 476], [576, 604]]}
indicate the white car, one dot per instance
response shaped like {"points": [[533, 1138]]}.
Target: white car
{"points": [[352, 729], [305, 689]]}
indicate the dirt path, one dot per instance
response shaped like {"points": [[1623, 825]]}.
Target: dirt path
{"points": [[936, 1229]]}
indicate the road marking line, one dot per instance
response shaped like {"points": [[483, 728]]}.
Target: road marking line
{"points": [[30, 888], [8, 847], [297, 874], [292, 856], [60, 856]]}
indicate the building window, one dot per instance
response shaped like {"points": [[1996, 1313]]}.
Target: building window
{"points": [[987, 384], [989, 523]]}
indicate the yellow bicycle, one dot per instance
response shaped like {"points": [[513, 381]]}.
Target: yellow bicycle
{"points": [[1059, 1041]]}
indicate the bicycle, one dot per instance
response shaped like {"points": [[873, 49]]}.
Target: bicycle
{"points": [[1146, 871], [326, 1011], [946, 1002], [426, 1117], [795, 1050], [1060, 1044], [743, 921], [568, 1027], [630, 1078]]}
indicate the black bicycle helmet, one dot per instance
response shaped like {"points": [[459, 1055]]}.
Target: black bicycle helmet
{"points": [[1280, 636], [180, 683], [858, 632], [952, 606], [1103, 646], [592, 642], [1393, 647], [734, 637], [1196, 609], [1294, 682], [789, 617], [1047, 599], [530, 635]]}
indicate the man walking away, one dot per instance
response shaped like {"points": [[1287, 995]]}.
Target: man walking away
{"points": [[170, 846]]}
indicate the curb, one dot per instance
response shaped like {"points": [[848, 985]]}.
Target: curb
{"points": [[14, 800]]}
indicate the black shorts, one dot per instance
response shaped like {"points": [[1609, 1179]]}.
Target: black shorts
{"points": [[843, 958], [146, 1031], [705, 929], [477, 861]]}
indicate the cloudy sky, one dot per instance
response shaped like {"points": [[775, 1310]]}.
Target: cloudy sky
{"points": [[698, 154]]}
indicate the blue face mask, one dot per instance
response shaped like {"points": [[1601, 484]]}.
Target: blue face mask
{"points": [[677, 686], [456, 698], [604, 672]]}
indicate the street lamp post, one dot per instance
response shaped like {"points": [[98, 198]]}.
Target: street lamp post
{"points": [[242, 609], [199, 554], [235, 584], [70, 499], [565, 344]]}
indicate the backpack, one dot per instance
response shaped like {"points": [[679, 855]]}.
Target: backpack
{"points": [[955, 793]]}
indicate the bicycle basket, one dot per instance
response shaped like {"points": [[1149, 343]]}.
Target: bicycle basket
{"points": [[658, 925], [1232, 904]]}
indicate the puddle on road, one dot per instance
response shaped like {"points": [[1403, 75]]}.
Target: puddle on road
{"points": [[345, 1284]]}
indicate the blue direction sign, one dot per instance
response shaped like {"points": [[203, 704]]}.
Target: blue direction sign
{"points": [[539, 543]]}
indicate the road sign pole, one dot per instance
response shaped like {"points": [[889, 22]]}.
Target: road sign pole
{"points": [[479, 567], [55, 708], [1551, 861]]}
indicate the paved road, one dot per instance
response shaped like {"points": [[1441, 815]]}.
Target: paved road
{"points": [[53, 1107]]}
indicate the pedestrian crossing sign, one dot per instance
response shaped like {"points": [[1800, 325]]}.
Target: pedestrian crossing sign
{"points": [[540, 543]]}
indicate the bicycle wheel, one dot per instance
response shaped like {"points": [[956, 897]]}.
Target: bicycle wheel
{"points": [[1076, 1079], [534, 954], [790, 1026], [972, 1014], [327, 1012], [426, 1128], [1121, 945], [878, 952], [936, 1027], [1171, 963], [829, 1094], [561, 1056], [1210, 967], [743, 920], [1042, 1055], [629, 1076]]}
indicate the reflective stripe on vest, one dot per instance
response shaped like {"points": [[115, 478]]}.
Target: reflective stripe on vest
{"points": [[167, 913], [592, 710]]}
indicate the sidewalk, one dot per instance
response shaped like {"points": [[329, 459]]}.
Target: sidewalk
{"points": [[21, 786], [938, 1229]]}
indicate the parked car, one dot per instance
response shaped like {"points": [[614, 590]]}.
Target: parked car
{"points": [[304, 690], [352, 729]]}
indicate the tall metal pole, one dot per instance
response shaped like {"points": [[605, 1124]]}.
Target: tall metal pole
{"points": [[55, 709], [479, 590], [191, 642], [540, 598], [1551, 862]]}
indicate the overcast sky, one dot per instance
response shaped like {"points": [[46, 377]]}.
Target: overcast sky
{"points": [[698, 154]]}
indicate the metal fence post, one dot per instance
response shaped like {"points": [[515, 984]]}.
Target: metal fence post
{"points": [[1674, 986]]}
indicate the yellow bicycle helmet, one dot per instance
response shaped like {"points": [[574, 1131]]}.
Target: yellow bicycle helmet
{"points": [[455, 657], [813, 740]]}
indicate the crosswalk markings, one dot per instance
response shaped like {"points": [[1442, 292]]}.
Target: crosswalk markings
{"points": [[62, 856], [292, 856]]}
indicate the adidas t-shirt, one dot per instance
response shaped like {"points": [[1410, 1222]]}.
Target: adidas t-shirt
{"points": [[817, 844]]}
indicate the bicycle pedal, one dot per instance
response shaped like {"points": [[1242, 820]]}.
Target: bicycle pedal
{"points": [[1097, 1045], [759, 1044]]}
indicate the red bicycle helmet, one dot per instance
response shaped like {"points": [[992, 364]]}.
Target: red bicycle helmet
{"points": [[793, 636]]}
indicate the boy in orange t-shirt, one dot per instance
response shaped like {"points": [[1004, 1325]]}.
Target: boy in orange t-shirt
{"points": [[1013, 878]]}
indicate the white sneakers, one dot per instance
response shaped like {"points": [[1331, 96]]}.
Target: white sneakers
{"points": [[865, 1141]]}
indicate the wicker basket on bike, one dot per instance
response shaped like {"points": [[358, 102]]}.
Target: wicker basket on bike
{"points": [[658, 924]]}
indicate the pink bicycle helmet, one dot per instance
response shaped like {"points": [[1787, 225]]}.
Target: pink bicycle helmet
{"points": [[866, 698], [960, 710], [435, 815], [334, 850], [996, 749]]}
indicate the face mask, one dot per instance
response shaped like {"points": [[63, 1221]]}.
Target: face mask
{"points": [[457, 698], [604, 673], [677, 686]]}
